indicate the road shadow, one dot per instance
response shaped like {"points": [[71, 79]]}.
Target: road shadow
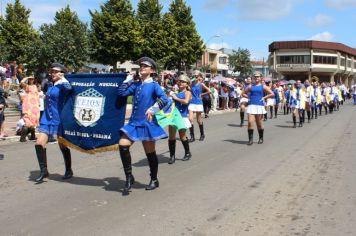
{"points": [[284, 126], [114, 184], [233, 125], [236, 141], [143, 162]]}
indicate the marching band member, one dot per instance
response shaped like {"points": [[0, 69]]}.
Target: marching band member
{"points": [[324, 98], [286, 106], [181, 100], [256, 107], [271, 102], [148, 98], [50, 121], [316, 100], [244, 102], [196, 104], [308, 99], [333, 93], [339, 97], [297, 103]]}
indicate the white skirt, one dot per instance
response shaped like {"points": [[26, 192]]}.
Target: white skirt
{"points": [[243, 100], [187, 122], [298, 106], [256, 110], [196, 107], [271, 102]]}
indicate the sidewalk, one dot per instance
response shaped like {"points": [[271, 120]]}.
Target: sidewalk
{"points": [[10, 124]]}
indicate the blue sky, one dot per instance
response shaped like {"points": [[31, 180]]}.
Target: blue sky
{"points": [[251, 24]]}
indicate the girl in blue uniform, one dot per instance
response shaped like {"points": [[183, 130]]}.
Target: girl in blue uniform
{"points": [[256, 108], [148, 98], [196, 104], [181, 99], [244, 102], [50, 121]]}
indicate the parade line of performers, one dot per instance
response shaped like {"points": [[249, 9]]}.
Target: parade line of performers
{"points": [[154, 108]]}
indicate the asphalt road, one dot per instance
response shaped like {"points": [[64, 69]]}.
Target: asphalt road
{"points": [[299, 182]]}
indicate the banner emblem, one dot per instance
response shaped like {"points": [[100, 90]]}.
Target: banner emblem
{"points": [[89, 107]]}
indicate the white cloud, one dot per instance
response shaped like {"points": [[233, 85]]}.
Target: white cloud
{"points": [[320, 20], [43, 11], [324, 36], [215, 4], [340, 4], [228, 32], [218, 45], [264, 9]]}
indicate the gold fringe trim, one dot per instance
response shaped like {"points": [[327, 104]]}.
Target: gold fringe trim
{"points": [[65, 142]]}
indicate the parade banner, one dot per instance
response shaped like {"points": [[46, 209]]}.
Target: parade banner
{"points": [[93, 113]]}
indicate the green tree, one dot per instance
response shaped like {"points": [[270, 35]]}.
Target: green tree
{"points": [[149, 17], [115, 33], [17, 36], [240, 60], [66, 41], [190, 46]]}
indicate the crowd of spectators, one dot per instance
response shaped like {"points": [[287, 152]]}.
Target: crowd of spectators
{"points": [[31, 94]]}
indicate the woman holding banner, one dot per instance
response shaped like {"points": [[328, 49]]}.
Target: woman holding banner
{"points": [[50, 121], [148, 98]]}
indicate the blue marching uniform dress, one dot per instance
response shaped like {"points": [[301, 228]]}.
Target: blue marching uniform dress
{"points": [[145, 95], [256, 107], [183, 110], [196, 105], [55, 97], [50, 124]]}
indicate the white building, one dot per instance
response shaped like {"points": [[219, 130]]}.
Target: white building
{"points": [[328, 61]]}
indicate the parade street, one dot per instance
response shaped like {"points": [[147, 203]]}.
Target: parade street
{"points": [[300, 181]]}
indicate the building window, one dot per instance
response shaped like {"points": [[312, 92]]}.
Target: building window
{"points": [[349, 63], [343, 62], [324, 60], [222, 60], [303, 59]]}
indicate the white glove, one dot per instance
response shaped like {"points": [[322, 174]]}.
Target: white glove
{"points": [[128, 79]]}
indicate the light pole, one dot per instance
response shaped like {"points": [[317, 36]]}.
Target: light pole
{"points": [[214, 36], [205, 44]]}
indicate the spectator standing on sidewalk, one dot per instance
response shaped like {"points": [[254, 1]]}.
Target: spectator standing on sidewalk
{"points": [[41, 96], [3, 105], [214, 89], [31, 102]]}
